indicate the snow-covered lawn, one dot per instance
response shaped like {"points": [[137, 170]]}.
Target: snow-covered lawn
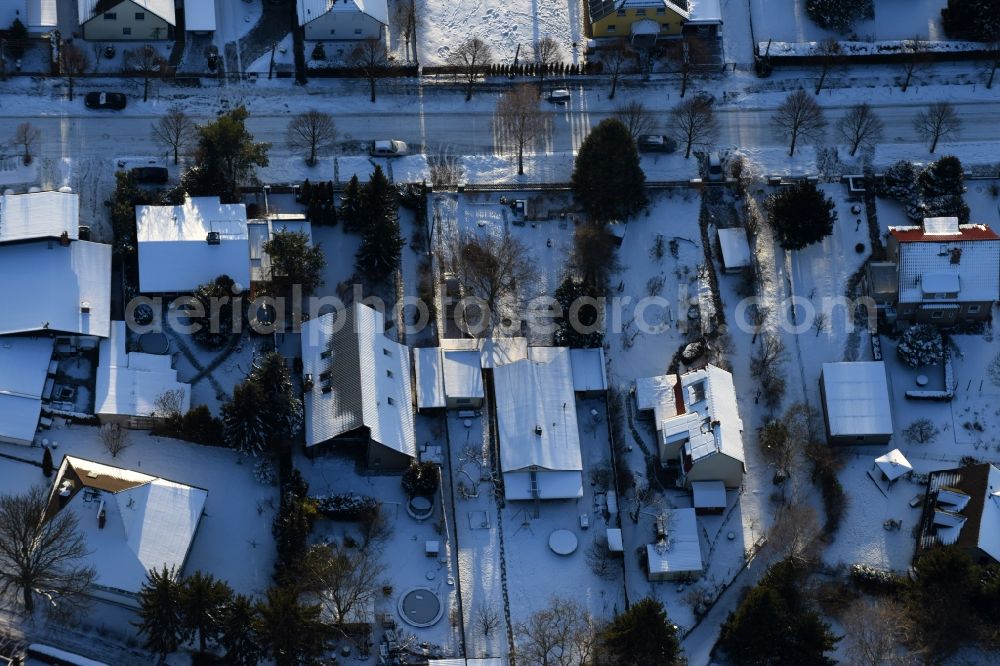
{"points": [[787, 20]]}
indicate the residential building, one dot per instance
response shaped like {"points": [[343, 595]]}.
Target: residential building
{"points": [[131, 523], [946, 273], [39, 215], [676, 553], [331, 20], [537, 428], [451, 379], [183, 247], [26, 374], [855, 399], [38, 16], [357, 388], [643, 22], [142, 20], [962, 507]]}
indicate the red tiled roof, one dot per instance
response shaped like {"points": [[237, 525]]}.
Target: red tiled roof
{"points": [[969, 232]]}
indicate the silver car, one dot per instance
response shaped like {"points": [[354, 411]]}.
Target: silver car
{"points": [[388, 148]]}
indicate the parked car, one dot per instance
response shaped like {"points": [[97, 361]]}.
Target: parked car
{"points": [[656, 143], [96, 100], [150, 174], [560, 96], [715, 172], [388, 148]]}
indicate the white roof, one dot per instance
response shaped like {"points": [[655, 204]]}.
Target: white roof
{"points": [[708, 494], [711, 421], [39, 215], [24, 364], [149, 524], [681, 551], [735, 248], [536, 413], [857, 398], [893, 464], [260, 232], [989, 526], [463, 376], [174, 255], [310, 10], [494, 352], [926, 267], [462, 661], [199, 15], [588, 370], [128, 383], [657, 394], [34, 14], [162, 8], [941, 226], [615, 542], [940, 283], [48, 286], [704, 11], [369, 380], [430, 380]]}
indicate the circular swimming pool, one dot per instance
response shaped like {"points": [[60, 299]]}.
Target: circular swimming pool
{"points": [[420, 607]]}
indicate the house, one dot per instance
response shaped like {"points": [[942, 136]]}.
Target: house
{"points": [[855, 400], [946, 273], [463, 661], [962, 507], [451, 379], [654, 397], [129, 383], [183, 247], [735, 249], [38, 16], [39, 215], [26, 371], [677, 551], [537, 428], [700, 429], [590, 378], [343, 19], [261, 231], [199, 17], [111, 20], [357, 388], [644, 22], [131, 522]]}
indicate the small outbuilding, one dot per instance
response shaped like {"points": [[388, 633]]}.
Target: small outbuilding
{"points": [[708, 497], [892, 466], [856, 403], [589, 377], [735, 249], [677, 550]]}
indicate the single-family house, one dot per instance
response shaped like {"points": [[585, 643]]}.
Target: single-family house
{"points": [[855, 398], [26, 373], [537, 428], [343, 19], [131, 522], [357, 387], [448, 378], [143, 20], [183, 247], [946, 273], [38, 16], [39, 215], [644, 22], [962, 507], [676, 553]]}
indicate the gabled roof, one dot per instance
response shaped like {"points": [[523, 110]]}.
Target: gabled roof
{"points": [[857, 398], [310, 10], [708, 416], [944, 257], [39, 215], [368, 380], [24, 364], [162, 8], [600, 9], [964, 509]]}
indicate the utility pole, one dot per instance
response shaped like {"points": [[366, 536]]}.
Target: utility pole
{"points": [[270, 68]]}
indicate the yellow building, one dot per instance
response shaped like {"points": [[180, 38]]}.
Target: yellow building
{"points": [[643, 22]]}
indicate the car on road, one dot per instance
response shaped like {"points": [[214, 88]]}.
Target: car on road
{"points": [[100, 100], [656, 143], [560, 96], [150, 174], [388, 148]]}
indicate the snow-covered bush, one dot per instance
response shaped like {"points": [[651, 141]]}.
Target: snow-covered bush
{"points": [[868, 576], [899, 182], [263, 472], [346, 506], [920, 345], [839, 15]]}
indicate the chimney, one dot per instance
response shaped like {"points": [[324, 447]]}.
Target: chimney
{"points": [[956, 255], [85, 307], [102, 516], [213, 238], [64, 239], [538, 430]]}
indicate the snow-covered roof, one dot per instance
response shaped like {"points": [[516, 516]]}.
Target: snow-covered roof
{"points": [[735, 248], [943, 257], [708, 494], [588, 370], [429, 377], [680, 552], [361, 378], [150, 522], [310, 10], [704, 12], [709, 422], [462, 661], [175, 254], [657, 394], [536, 413], [857, 398], [57, 288], [893, 464], [965, 509], [259, 232], [199, 15], [128, 383], [39, 215], [162, 8], [34, 14], [494, 352], [463, 376], [602, 8], [24, 364]]}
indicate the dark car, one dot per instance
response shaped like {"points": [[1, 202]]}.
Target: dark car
{"points": [[149, 174], [656, 143], [96, 100]]}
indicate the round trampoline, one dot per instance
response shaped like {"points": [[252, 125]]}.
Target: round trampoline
{"points": [[419, 507], [154, 343], [420, 607], [563, 542]]}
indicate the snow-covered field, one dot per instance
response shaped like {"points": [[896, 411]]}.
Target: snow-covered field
{"points": [[787, 21]]}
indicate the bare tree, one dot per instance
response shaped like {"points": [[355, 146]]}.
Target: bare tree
{"points": [[599, 558], [994, 50], [820, 322], [169, 404], [174, 130], [487, 619], [547, 53], [371, 57], [25, 137], [616, 58], [769, 354], [921, 431], [792, 536], [860, 126], [39, 554], [916, 50], [115, 438], [799, 116], [693, 52], [446, 168], [145, 63], [311, 131], [938, 122], [73, 62], [828, 50], [873, 632], [345, 579], [561, 634], [471, 58], [636, 119], [406, 18], [692, 123], [520, 123]]}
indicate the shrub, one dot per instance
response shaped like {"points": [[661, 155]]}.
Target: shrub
{"points": [[801, 215], [978, 20], [346, 506], [421, 479], [920, 345], [839, 15]]}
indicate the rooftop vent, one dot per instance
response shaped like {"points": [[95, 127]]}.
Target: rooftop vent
{"points": [[64, 239], [538, 430], [213, 238], [85, 307]]}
